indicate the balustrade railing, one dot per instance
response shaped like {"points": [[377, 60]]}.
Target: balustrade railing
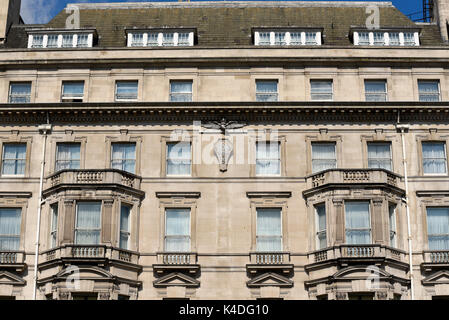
{"points": [[436, 257], [341, 176], [177, 258], [270, 258]]}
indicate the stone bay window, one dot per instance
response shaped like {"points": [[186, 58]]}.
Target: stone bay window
{"points": [[92, 226]]}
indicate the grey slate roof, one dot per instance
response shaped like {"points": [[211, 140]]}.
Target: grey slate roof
{"points": [[230, 24]]}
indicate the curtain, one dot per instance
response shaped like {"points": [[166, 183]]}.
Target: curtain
{"points": [[358, 230], [268, 158], [321, 226], [88, 223], [323, 156], [10, 221], [379, 155], [438, 228], [68, 156], [14, 156], [124, 157], [73, 89], [177, 230], [269, 230], [392, 219], [178, 158], [124, 226], [434, 158]]}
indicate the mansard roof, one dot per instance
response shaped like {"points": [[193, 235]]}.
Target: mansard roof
{"points": [[229, 23]]}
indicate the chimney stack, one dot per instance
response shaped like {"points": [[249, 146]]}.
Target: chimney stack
{"points": [[441, 16], [9, 14]]}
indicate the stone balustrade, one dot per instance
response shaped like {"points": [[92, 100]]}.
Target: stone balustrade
{"points": [[365, 252], [100, 176], [11, 258], [177, 258], [352, 176], [269, 258], [436, 257], [94, 252]]}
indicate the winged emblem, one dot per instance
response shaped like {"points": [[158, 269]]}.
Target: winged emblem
{"points": [[223, 125]]}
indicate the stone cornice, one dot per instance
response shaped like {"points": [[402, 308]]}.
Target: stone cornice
{"points": [[195, 195], [288, 112]]}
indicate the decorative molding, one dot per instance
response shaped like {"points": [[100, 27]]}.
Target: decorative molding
{"points": [[162, 195], [15, 194], [432, 193], [269, 194]]}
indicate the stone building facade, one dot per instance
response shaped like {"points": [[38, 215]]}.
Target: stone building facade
{"points": [[224, 150]]}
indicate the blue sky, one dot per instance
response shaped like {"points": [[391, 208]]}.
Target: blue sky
{"points": [[41, 11]]}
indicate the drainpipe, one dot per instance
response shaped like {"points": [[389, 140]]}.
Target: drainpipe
{"points": [[402, 129], [44, 130]]}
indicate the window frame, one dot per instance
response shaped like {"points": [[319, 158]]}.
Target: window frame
{"points": [[318, 231], [281, 236], [160, 35], [54, 228], [27, 96], [393, 230], [437, 81], [386, 38], [368, 143], [76, 229], [287, 37], [312, 143], [58, 144], [123, 161], [167, 158], [279, 143], [270, 93], [171, 94], [73, 98], [117, 82], [120, 230], [445, 157], [20, 175], [370, 229], [385, 93], [427, 224], [312, 93], [19, 235], [189, 237]]}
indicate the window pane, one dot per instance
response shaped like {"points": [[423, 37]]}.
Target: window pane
{"points": [[152, 39], [168, 39], [73, 89], [358, 229], [363, 38], [10, 225], [321, 89], [126, 90], [124, 226], [264, 38], [438, 228], [379, 38], [394, 38], [311, 38], [52, 41], [268, 158], [183, 39], [434, 158], [392, 220], [137, 40], [88, 223], [20, 92], [67, 40], [279, 38], [269, 230], [38, 41], [177, 230], [14, 157], [295, 38], [124, 157], [82, 41], [181, 91], [321, 226], [379, 156], [178, 158], [429, 91], [68, 156], [323, 156], [54, 225]]}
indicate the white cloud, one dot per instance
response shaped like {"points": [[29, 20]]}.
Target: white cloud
{"points": [[37, 11]]}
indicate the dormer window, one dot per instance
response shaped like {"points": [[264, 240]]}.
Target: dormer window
{"points": [[160, 38], [64, 39], [287, 37], [386, 38]]}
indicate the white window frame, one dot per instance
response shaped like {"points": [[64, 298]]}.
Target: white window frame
{"points": [[179, 93], [53, 227], [190, 227], [45, 36], [393, 232], [120, 230], [377, 159], [126, 99], [372, 93], [16, 160], [58, 161], [369, 223], [267, 143], [281, 222], [322, 80], [76, 220], [430, 80], [273, 93], [445, 158], [317, 224], [160, 39], [27, 96], [323, 143], [168, 158], [287, 37], [386, 41], [64, 98]]}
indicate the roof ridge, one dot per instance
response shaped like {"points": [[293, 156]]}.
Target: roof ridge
{"points": [[230, 4]]}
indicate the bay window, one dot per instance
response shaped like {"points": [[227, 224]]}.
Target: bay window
{"points": [[321, 233], [125, 215]]}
